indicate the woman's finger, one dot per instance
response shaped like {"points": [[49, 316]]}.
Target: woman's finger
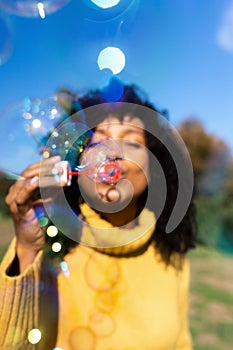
{"points": [[22, 199]]}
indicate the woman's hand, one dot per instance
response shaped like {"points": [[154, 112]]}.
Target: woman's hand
{"points": [[22, 203]]}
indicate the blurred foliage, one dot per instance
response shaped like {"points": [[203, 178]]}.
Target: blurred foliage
{"points": [[213, 173], [210, 155], [211, 299], [4, 187]]}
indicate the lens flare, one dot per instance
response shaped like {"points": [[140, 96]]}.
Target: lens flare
{"points": [[105, 3], [32, 8], [114, 90], [111, 58], [109, 10]]}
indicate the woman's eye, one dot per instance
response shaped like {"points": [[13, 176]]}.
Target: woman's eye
{"points": [[132, 144]]}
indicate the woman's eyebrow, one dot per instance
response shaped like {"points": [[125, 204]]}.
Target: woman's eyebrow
{"points": [[131, 131], [123, 132]]}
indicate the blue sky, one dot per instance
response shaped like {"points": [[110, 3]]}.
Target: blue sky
{"points": [[179, 51]]}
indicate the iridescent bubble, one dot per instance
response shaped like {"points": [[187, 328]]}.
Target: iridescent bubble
{"points": [[75, 143], [32, 8], [69, 140], [25, 128], [102, 159], [6, 40]]}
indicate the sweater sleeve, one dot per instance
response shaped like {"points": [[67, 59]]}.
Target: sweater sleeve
{"points": [[184, 341], [19, 303]]}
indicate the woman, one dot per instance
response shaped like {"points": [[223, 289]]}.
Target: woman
{"points": [[126, 285]]}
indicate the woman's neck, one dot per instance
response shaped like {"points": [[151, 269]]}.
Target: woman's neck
{"points": [[126, 217]]}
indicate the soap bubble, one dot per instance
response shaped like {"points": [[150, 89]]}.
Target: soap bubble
{"points": [[38, 128], [101, 160], [32, 8], [6, 40], [69, 140], [96, 157], [26, 126]]}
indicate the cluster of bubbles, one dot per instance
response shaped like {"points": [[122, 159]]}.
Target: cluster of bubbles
{"points": [[98, 160], [39, 128]]}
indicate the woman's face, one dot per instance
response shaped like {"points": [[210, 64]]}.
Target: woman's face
{"points": [[129, 135]]}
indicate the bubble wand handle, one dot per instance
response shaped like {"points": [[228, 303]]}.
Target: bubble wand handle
{"points": [[109, 172]]}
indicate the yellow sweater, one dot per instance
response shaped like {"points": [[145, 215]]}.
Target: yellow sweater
{"points": [[122, 301]]}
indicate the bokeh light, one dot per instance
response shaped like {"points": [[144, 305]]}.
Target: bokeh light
{"points": [[32, 8], [52, 231], [34, 336], [108, 10], [40, 214], [112, 58], [65, 268], [6, 40], [105, 3], [56, 247]]}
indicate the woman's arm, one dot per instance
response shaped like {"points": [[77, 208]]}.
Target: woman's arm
{"points": [[19, 302], [21, 271]]}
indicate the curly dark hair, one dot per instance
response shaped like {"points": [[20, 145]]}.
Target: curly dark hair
{"points": [[184, 236]]}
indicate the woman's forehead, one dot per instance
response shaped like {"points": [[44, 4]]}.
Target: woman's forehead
{"points": [[127, 121]]}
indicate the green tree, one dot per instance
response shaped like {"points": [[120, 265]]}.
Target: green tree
{"points": [[4, 187], [210, 156], [213, 173]]}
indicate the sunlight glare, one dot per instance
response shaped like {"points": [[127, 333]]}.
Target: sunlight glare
{"points": [[112, 58]]}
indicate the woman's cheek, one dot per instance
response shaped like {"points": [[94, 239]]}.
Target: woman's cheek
{"points": [[138, 176]]}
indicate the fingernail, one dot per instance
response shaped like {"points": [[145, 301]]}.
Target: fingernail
{"points": [[55, 159], [34, 181]]}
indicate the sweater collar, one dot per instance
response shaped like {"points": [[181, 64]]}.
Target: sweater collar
{"points": [[103, 236]]}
